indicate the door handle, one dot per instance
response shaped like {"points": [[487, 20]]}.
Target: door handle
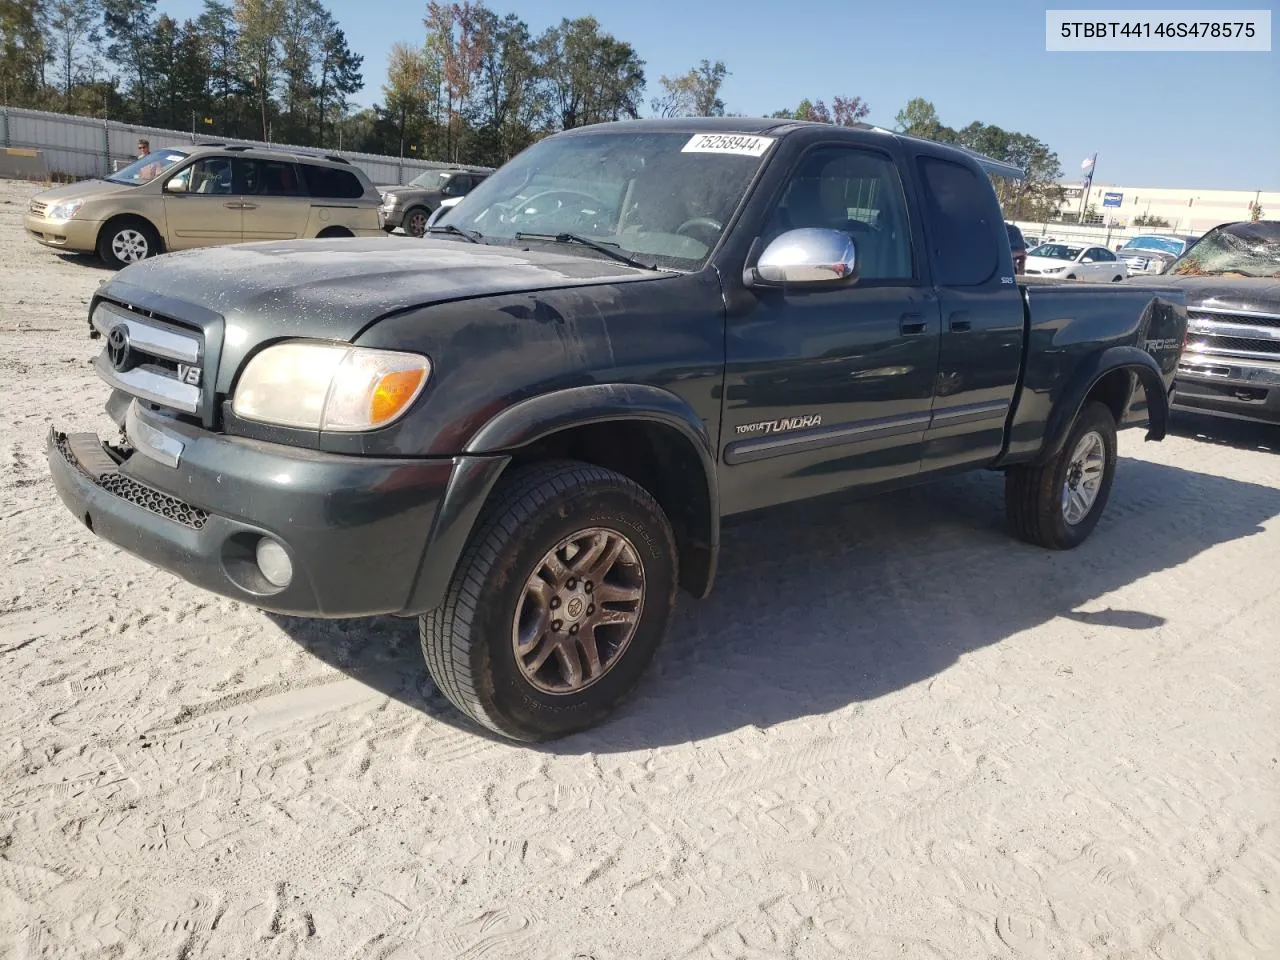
{"points": [[960, 322], [248, 206], [234, 206], [911, 324]]}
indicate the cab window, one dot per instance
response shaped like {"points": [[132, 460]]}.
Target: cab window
{"points": [[857, 192]]}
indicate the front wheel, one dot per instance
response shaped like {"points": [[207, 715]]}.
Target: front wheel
{"points": [[1057, 505], [558, 604], [415, 221], [127, 240]]}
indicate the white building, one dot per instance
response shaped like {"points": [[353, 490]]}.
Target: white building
{"points": [[1187, 211]]}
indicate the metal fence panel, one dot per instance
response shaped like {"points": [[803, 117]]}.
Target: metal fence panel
{"points": [[87, 147]]}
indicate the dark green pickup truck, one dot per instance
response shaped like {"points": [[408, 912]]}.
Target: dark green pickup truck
{"points": [[527, 427]]}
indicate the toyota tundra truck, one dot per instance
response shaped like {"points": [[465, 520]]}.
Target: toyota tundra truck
{"points": [[527, 429]]}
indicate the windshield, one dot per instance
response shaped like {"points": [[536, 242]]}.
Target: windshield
{"points": [[1055, 251], [146, 169], [429, 180], [1236, 250], [662, 198], [1173, 245]]}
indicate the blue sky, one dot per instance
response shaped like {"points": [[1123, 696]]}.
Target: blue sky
{"points": [[1194, 120]]}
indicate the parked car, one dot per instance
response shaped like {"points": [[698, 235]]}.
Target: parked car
{"points": [[1075, 261], [1231, 278], [411, 206], [1151, 253], [1018, 246], [176, 199], [527, 427], [445, 206]]}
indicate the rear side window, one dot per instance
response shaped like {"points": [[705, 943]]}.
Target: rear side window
{"points": [[958, 217], [329, 183], [275, 178]]}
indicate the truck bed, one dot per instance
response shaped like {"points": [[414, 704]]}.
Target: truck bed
{"points": [[1067, 320]]}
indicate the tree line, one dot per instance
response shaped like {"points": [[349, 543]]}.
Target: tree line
{"points": [[475, 87]]}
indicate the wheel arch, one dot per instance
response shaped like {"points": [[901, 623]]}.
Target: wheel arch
{"points": [[120, 218], [1108, 376], [642, 431], [334, 231]]}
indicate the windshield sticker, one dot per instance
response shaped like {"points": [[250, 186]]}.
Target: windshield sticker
{"points": [[741, 144]]}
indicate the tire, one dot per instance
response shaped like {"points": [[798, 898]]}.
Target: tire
{"points": [[1071, 276], [1116, 279], [127, 240], [1034, 495], [415, 220], [470, 640]]}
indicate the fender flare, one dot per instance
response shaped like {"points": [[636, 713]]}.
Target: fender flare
{"points": [[533, 419], [1085, 378]]}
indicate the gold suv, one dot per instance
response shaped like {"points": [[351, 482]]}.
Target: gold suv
{"points": [[178, 198]]}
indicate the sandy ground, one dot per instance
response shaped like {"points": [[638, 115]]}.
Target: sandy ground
{"points": [[931, 742]]}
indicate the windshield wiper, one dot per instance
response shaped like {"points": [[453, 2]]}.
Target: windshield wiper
{"points": [[597, 245], [474, 235]]}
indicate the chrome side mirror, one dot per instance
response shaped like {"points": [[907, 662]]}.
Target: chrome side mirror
{"points": [[812, 256]]}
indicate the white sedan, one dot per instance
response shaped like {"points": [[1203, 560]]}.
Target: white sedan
{"points": [[1075, 261]]}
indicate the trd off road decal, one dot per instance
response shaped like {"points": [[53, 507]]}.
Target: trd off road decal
{"points": [[780, 426]]}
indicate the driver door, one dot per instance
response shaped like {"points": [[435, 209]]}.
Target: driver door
{"points": [[827, 388], [201, 203]]}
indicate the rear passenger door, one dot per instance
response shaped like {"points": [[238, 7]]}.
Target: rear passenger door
{"points": [[275, 202], [982, 315]]}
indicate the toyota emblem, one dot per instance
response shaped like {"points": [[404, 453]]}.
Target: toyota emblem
{"points": [[118, 347]]}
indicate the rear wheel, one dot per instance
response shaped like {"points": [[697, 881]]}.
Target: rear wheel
{"points": [[415, 221], [127, 240], [1057, 505], [557, 605], [328, 232]]}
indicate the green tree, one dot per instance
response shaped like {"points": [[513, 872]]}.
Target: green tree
{"points": [[340, 76], [221, 47], [510, 103], [692, 94], [590, 76], [72, 28], [22, 51], [258, 24], [919, 118], [129, 26]]}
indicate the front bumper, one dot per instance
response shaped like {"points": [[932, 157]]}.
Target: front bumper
{"points": [[356, 529], [1230, 387], [77, 236], [391, 216]]}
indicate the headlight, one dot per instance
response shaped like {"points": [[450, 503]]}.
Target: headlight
{"points": [[388, 199], [64, 211], [329, 386]]}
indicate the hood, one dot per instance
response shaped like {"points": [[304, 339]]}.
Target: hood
{"points": [[333, 289], [84, 190], [1255, 294]]}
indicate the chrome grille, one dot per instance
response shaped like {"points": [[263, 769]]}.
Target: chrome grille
{"points": [[1232, 333], [139, 494], [152, 359], [38, 208]]}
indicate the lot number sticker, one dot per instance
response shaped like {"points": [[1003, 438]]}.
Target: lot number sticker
{"points": [[741, 144]]}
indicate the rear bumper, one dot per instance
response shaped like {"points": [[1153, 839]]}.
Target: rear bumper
{"points": [[357, 530], [1227, 386], [78, 236]]}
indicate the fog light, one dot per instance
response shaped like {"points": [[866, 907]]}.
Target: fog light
{"points": [[274, 562]]}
